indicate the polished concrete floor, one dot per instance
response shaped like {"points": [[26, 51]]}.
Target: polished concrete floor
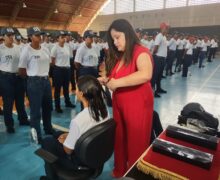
{"points": [[17, 159]]}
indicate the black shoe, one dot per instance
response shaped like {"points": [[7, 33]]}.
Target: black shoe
{"points": [[24, 123], [59, 110], [161, 91], [156, 95], [70, 105], [172, 73], [164, 77], [10, 130]]}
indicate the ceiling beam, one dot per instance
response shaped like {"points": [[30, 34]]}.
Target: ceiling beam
{"points": [[76, 13], [49, 13], [15, 12]]}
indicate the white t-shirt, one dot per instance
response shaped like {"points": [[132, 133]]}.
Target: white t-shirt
{"points": [[204, 46], [86, 56], [161, 42], [47, 45], [145, 43], [151, 46], [180, 44], [36, 62], [172, 44], [212, 43], [77, 45], [78, 126], [185, 41], [189, 48], [97, 47], [9, 58], [61, 55], [70, 47], [20, 46]]}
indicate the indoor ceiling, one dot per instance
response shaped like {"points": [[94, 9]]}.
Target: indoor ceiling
{"points": [[71, 15]]}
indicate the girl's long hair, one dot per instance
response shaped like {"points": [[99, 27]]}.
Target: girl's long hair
{"points": [[120, 25], [94, 94]]}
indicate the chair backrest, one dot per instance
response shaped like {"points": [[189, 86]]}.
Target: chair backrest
{"points": [[96, 145]]}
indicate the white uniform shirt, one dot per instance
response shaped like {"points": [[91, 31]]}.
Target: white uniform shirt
{"points": [[20, 46], [185, 41], [161, 42], [47, 45], [61, 55], [180, 44], [78, 126], [36, 62], [172, 44], [9, 58], [189, 48], [77, 45], [204, 46], [86, 56], [212, 43], [145, 43], [208, 43], [151, 46], [69, 46], [97, 47]]}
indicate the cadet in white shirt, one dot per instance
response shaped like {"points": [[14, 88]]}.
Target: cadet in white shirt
{"points": [[159, 55], [215, 47], [188, 55], [71, 47], [18, 42], [171, 54], [90, 93], [203, 51], [86, 59], [179, 53], [145, 40], [12, 86], [34, 63], [60, 55]]}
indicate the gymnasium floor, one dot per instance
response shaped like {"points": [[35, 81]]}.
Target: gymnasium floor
{"points": [[17, 159]]}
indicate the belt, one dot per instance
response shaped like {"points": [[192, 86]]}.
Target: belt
{"points": [[38, 77], [8, 73], [94, 67], [63, 67]]}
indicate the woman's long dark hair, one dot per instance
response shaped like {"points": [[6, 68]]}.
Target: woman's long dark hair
{"points": [[120, 25], [94, 94]]}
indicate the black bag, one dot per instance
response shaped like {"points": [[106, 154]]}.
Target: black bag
{"points": [[194, 114]]}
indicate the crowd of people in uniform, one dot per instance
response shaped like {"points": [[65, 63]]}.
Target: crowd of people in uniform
{"points": [[27, 65], [176, 52]]}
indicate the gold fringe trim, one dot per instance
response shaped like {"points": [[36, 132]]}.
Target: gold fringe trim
{"points": [[158, 173]]}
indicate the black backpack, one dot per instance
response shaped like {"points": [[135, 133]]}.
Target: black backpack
{"points": [[194, 114]]}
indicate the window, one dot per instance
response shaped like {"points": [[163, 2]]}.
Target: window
{"points": [[144, 5], [124, 6], [174, 3], [200, 2], [109, 8]]}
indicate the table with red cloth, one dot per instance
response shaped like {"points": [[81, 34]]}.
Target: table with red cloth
{"points": [[164, 167]]}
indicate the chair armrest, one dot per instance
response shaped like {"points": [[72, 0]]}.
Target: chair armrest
{"points": [[45, 155]]}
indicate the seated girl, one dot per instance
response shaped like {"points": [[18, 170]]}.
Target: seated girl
{"points": [[90, 93]]}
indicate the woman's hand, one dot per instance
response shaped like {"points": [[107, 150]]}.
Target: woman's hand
{"points": [[103, 80], [112, 84], [62, 138]]}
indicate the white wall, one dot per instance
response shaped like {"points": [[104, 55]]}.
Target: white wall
{"points": [[203, 15]]}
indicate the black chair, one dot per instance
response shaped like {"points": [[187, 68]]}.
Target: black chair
{"points": [[93, 149]]}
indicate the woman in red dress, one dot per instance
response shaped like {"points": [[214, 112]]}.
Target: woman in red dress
{"points": [[129, 70]]}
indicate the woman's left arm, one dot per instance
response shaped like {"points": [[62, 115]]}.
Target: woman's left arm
{"points": [[142, 75]]}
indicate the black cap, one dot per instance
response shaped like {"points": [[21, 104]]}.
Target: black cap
{"points": [[34, 31], [138, 30], [6, 31], [88, 33], [18, 37], [60, 33]]}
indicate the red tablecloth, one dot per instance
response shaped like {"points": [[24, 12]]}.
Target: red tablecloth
{"points": [[181, 168]]}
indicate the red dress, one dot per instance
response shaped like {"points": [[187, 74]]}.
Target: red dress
{"points": [[132, 111]]}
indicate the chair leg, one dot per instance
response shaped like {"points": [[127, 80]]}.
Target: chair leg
{"points": [[50, 173], [98, 171]]}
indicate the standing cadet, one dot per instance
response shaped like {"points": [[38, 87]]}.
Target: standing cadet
{"points": [[203, 51], [160, 54], [86, 59], [60, 55], [34, 62], [12, 85], [179, 53], [188, 56], [1, 42]]}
